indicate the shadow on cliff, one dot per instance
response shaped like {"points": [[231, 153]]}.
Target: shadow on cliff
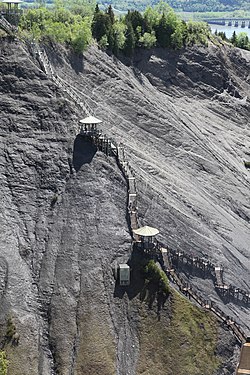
{"points": [[76, 61], [148, 289], [83, 152], [136, 280]]}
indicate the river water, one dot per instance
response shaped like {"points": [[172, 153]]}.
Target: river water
{"points": [[230, 29]]}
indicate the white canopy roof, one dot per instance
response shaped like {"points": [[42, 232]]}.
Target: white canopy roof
{"points": [[11, 1], [90, 120], [146, 231]]}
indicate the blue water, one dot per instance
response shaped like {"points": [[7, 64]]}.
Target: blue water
{"points": [[230, 29]]}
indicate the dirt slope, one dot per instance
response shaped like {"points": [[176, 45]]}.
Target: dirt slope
{"points": [[63, 204]]}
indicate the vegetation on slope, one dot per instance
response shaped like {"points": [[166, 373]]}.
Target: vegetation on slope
{"points": [[155, 276], [76, 26], [180, 5], [3, 363], [240, 40], [182, 342], [96, 353], [184, 5]]}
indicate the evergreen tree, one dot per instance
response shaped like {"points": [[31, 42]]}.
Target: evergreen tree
{"points": [[234, 38], [115, 47], [137, 21], [130, 40], [97, 10], [101, 25], [111, 39], [162, 33], [111, 14]]}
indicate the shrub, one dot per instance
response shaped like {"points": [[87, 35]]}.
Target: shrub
{"points": [[11, 329], [154, 275], [3, 363], [148, 40]]}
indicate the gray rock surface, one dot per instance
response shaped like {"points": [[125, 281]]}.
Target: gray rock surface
{"points": [[184, 120]]}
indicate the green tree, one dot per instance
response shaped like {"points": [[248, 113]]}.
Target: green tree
{"points": [[148, 40], [111, 39], [136, 19], [103, 43], [111, 14], [222, 35], [197, 33], [162, 7], [81, 35], [164, 31], [151, 18], [97, 10], [101, 25], [177, 36], [242, 41], [233, 38], [130, 40], [119, 29]]}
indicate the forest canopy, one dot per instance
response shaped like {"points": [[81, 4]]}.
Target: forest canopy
{"points": [[80, 23], [184, 5]]}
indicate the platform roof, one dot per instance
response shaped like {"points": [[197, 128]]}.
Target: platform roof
{"points": [[146, 231], [244, 365], [90, 120], [124, 266]]}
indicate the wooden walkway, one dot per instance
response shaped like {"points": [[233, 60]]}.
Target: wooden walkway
{"points": [[187, 290], [131, 188], [205, 269], [44, 62]]}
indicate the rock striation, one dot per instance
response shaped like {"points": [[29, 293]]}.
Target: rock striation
{"points": [[184, 120]]}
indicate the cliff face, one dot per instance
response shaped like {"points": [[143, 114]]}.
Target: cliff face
{"points": [[63, 203], [63, 208], [184, 119]]}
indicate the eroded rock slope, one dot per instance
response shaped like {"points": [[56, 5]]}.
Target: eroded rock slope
{"points": [[183, 118]]}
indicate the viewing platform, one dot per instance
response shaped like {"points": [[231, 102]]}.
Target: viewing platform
{"points": [[145, 239], [9, 9], [89, 126]]}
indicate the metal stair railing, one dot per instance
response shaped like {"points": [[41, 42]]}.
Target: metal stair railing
{"points": [[45, 63]]}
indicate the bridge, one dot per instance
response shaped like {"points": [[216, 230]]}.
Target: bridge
{"points": [[236, 22]]}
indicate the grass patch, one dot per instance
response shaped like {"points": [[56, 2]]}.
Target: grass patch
{"points": [[3, 363], [96, 354], [182, 342]]}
